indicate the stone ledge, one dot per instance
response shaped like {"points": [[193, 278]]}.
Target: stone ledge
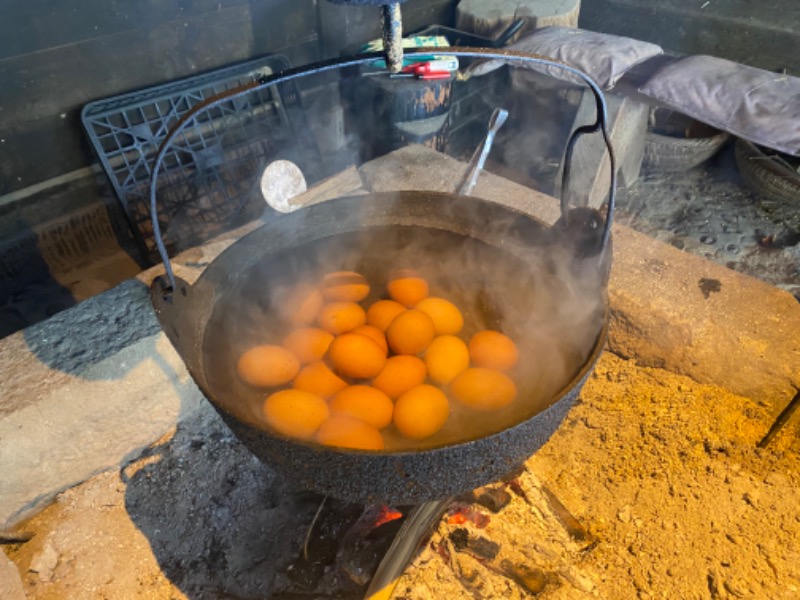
{"points": [[91, 387], [688, 315]]}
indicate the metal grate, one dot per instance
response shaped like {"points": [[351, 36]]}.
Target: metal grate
{"points": [[197, 200]]}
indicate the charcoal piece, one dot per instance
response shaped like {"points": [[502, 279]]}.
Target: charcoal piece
{"points": [[460, 538], [306, 573], [480, 547], [531, 579], [515, 486], [573, 527], [494, 499], [365, 543]]}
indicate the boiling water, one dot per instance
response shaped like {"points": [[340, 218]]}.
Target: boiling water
{"points": [[533, 297]]}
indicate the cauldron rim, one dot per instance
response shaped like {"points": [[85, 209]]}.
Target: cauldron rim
{"points": [[284, 453]]}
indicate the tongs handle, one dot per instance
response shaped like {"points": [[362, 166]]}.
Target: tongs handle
{"points": [[478, 159]]}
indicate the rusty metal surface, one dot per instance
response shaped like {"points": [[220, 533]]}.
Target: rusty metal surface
{"points": [[393, 36]]}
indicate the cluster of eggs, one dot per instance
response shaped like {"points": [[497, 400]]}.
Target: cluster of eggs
{"points": [[345, 372]]}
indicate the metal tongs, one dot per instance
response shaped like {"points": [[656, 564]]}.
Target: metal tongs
{"points": [[478, 160]]}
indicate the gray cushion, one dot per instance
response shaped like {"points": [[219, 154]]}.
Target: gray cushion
{"points": [[605, 58], [757, 105]]}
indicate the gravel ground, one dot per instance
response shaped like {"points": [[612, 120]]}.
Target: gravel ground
{"points": [[710, 212], [662, 493]]}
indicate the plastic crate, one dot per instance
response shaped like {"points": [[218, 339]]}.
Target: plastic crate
{"points": [[127, 130]]}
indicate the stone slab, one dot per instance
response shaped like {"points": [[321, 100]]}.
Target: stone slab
{"points": [[346, 183], [93, 422], [89, 388], [402, 169], [678, 311]]}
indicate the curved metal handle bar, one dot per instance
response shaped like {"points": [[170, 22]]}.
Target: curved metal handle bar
{"points": [[509, 33], [567, 171], [509, 56]]}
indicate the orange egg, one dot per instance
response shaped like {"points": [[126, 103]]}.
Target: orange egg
{"points": [[410, 332], [295, 413], [483, 389], [318, 379], [301, 304], [308, 344], [421, 411], [374, 334], [341, 317], [357, 356], [446, 357], [267, 366], [382, 312], [400, 374], [348, 432], [493, 350], [407, 287], [345, 286], [446, 317], [366, 403]]}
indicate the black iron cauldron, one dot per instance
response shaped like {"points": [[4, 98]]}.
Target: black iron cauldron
{"points": [[510, 271]]}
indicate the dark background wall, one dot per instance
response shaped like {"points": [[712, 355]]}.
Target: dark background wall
{"points": [[57, 56], [760, 33]]}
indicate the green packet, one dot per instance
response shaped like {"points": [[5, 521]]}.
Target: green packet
{"points": [[444, 63], [420, 41]]}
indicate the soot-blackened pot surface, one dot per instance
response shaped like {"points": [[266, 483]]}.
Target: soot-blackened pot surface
{"points": [[504, 270]]}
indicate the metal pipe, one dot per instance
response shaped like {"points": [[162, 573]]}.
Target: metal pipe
{"points": [[782, 419], [392, 36]]}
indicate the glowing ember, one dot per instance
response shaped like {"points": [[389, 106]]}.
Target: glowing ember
{"points": [[459, 515], [386, 515]]}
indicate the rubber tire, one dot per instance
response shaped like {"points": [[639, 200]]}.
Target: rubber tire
{"points": [[766, 177], [672, 154]]}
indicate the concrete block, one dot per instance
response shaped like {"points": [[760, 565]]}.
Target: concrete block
{"points": [[401, 169], [346, 183], [680, 312], [91, 423]]}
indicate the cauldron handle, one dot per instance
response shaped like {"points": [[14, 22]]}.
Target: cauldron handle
{"points": [[183, 318], [601, 124], [504, 55]]}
